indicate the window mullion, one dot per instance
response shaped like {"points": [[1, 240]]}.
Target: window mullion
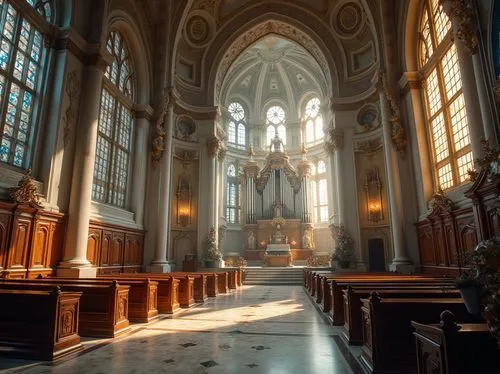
{"points": [[111, 154]]}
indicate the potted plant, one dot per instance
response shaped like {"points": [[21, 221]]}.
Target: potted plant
{"points": [[479, 284], [214, 256], [343, 253]]}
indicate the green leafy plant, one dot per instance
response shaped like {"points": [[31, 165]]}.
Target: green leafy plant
{"points": [[344, 252], [213, 252]]}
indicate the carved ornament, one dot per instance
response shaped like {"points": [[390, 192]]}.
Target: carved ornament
{"points": [[369, 146], [72, 89], [26, 192], [439, 202], [461, 13], [159, 137], [489, 162], [334, 140], [398, 133], [213, 146]]}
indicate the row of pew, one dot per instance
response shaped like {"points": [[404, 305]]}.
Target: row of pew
{"points": [[44, 318], [389, 315]]}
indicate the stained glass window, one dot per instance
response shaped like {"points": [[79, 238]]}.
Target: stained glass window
{"points": [[237, 126], [21, 60], [445, 105], [115, 128], [313, 121], [232, 195], [44, 7], [275, 118]]}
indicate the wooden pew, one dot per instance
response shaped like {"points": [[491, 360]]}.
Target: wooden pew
{"points": [[39, 324], [200, 294], [142, 300], [167, 293], [336, 314], [353, 319], [450, 348], [103, 309], [388, 344]]}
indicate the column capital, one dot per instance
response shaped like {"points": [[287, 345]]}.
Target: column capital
{"points": [[213, 146], [413, 79], [463, 19]]}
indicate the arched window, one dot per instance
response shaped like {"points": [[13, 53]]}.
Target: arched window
{"points": [[319, 193], [232, 196], [275, 118], [445, 105], [22, 58], [236, 130], [313, 121], [115, 130]]}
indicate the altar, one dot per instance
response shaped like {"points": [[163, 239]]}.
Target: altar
{"points": [[278, 255]]}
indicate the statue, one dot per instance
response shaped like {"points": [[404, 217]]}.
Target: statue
{"points": [[278, 237], [277, 144], [251, 240], [306, 239]]}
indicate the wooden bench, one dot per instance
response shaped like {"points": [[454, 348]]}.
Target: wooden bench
{"points": [[353, 318], [336, 313], [449, 348], [104, 306], [39, 324], [388, 344], [232, 278], [168, 289], [142, 300]]}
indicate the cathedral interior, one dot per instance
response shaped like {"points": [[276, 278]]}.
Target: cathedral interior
{"points": [[174, 140]]}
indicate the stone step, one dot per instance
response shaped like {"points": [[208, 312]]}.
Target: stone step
{"points": [[274, 276]]}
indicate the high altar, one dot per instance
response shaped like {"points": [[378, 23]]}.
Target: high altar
{"points": [[278, 221]]}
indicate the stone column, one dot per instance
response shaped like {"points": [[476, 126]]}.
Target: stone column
{"points": [[425, 156], [141, 164], [160, 264], [401, 261], [465, 40], [75, 263]]}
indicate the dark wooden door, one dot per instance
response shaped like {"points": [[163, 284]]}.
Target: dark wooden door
{"points": [[376, 254]]}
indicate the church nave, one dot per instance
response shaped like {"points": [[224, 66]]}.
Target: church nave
{"points": [[256, 329]]}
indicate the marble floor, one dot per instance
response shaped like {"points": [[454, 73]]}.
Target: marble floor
{"points": [[256, 329]]}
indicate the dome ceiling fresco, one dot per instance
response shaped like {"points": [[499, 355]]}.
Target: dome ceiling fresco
{"points": [[293, 44], [273, 69]]}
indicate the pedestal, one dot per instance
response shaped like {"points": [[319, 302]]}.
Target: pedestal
{"points": [[160, 268], [77, 272]]}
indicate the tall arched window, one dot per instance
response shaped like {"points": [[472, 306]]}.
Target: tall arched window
{"points": [[115, 130], [445, 105], [275, 118], [319, 193], [232, 196], [236, 129], [313, 121], [22, 58]]}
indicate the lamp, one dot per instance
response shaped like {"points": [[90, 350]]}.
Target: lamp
{"points": [[373, 195], [374, 210], [184, 215]]}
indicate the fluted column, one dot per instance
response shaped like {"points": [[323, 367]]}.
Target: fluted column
{"points": [[75, 263], [424, 154], [401, 261], [160, 264]]}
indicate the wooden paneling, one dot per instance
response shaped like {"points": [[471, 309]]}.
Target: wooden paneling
{"points": [[31, 240], [447, 232], [114, 249]]}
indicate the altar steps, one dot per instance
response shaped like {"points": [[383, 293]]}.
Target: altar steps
{"points": [[274, 276]]}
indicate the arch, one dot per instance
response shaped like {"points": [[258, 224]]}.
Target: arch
{"points": [[259, 21], [411, 37], [121, 21]]}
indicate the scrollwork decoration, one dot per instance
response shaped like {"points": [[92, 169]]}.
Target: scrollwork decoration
{"points": [[26, 191]]}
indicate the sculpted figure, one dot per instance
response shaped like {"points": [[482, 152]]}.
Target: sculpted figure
{"points": [[251, 240], [306, 239]]}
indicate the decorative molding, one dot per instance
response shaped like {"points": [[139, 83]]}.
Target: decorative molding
{"points": [[26, 192], [369, 146], [334, 140], [72, 89], [199, 30], [461, 13]]}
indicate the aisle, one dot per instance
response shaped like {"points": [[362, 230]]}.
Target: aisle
{"points": [[257, 329]]}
